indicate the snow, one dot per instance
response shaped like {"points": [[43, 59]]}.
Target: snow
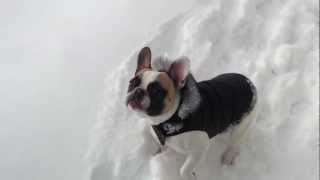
{"points": [[53, 59], [275, 44]]}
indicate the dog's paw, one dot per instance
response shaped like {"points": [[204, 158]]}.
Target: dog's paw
{"points": [[229, 156]]}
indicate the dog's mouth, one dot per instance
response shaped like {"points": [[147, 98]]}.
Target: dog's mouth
{"points": [[134, 104]]}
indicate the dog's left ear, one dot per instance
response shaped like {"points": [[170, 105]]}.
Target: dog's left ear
{"points": [[179, 70]]}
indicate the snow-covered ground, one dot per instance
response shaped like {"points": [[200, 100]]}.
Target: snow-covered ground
{"points": [[54, 56], [276, 44]]}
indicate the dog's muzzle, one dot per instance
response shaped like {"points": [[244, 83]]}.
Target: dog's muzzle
{"points": [[138, 99]]}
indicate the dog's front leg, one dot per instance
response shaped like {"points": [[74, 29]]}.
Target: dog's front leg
{"points": [[194, 145], [150, 146]]}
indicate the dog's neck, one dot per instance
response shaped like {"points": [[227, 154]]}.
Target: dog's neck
{"points": [[164, 117]]}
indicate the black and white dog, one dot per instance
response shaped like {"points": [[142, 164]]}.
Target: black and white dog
{"points": [[184, 115]]}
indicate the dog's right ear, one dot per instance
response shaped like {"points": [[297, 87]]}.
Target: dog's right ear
{"points": [[144, 59], [179, 70]]}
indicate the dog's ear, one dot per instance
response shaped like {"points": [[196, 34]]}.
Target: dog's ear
{"points": [[179, 70], [144, 59]]}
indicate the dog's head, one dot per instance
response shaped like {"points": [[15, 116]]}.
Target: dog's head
{"points": [[156, 93]]}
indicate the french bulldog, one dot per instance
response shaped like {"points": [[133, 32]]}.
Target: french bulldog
{"points": [[184, 115]]}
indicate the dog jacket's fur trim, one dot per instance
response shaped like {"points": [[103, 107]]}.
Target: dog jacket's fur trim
{"points": [[224, 100]]}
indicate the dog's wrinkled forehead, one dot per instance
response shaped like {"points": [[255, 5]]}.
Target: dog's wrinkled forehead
{"points": [[144, 78], [134, 82]]}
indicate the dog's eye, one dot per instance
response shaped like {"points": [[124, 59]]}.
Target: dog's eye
{"points": [[133, 83], [155, 89]]}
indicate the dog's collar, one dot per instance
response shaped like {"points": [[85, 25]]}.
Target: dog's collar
{"points": [[170, 127]]}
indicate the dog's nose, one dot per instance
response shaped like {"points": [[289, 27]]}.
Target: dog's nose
{"points": [[135, 98]]}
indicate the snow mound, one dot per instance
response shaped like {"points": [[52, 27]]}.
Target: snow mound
{"points": [[275, 43]]}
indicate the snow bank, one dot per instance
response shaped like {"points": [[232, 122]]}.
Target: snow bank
{"points": [[275, 43]]}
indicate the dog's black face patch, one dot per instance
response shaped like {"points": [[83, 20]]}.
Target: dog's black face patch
{"points": [[134, 82], [157, 96]]}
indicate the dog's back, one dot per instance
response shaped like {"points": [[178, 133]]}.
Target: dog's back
{"points": [[225, 100]]}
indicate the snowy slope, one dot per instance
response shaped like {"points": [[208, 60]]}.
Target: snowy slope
{"points": [[53, 60], [275, 43]]}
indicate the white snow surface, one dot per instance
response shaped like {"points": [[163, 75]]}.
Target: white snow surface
{"points": [[276, 44]]}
